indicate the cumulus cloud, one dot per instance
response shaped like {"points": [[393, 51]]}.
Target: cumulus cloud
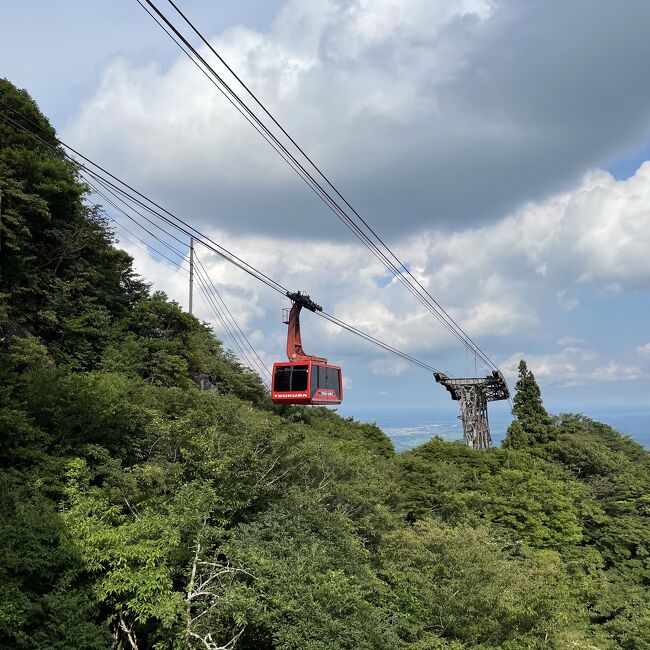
{"points": [[564, 366], [464, 134], [573, 366], [615, 371], [389, 367], [644, 350], [597, 233], [425, 112]]}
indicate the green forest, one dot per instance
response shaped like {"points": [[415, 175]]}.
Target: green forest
{"points": [[137, 511]]}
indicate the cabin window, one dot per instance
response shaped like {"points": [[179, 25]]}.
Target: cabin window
{"points": [[282, 381], [328, 378], [299, 378], [290, 378]]}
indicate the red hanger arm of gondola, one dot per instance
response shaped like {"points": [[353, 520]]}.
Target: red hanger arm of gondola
{"points": [[295, 351], [304, 378]]}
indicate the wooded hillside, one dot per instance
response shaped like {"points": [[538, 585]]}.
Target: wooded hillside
{"points": [[140, 512]]}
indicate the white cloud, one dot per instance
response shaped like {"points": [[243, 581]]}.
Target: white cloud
{"points": [[595, 235], [384, 95], [615, 371], [564, 366], [565, 301], [571, 341], [389, 367], [572, 366], [644, 350], [500, 317], [416, 107]]}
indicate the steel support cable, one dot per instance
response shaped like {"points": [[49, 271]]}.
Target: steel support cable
{"points": [[434, 307], [138, 197], [244, 358], [119, 197], [301, 171], [260, 366], [190, 230], [209, 284], [179, 269], [210, 304], [147, 244], [295, 165], [184, 271], [198, 236], [372, 339], [229, 314], [180, 254], [204, 278], [327, 180]]}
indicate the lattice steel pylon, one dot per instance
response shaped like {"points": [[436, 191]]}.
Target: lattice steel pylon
{"points": [[473, 394]]}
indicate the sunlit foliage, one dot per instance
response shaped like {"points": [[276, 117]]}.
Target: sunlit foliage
{"points": [[141, 512]]}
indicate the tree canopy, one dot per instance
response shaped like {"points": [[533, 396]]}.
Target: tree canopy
{"points": [[141, 512]]}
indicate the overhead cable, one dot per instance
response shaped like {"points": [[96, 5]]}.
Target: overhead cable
{"points": [[381, 251], [205, 286], [208, 288], [260, 363], [140, 199]]}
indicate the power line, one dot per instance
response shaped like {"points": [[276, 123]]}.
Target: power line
{"points": [[140, 199], [123, 201], [233, 320], [208, 288], [179, 269], [206, 292], [230, 324], [375, 341], [209, 302], [399, 271], [181, 255]]}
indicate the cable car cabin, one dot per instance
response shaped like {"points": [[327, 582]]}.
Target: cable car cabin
{"points": [[306, 382], [305, 378]]}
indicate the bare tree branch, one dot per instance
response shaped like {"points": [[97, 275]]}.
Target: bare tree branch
{"points": [[204, 589], [129, 633]]}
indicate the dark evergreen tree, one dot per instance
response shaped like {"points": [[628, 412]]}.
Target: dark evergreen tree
{"points": [[61, 278], [532, 425], [138, 511]]}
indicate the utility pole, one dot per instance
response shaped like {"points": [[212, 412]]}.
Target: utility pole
{"points": [[191, 271]]}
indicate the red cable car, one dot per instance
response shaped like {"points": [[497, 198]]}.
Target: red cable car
{"points": [[304, 379]]}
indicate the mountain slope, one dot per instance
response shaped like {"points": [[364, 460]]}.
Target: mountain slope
{"points": [[141, 512]]}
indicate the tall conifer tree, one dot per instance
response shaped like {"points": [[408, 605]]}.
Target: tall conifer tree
{"points": [[532, 424]]}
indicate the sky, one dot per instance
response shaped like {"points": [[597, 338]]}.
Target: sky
{"points": [[500, 147]]}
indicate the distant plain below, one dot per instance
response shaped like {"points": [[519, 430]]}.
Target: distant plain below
{"points": [[410, 427]]}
